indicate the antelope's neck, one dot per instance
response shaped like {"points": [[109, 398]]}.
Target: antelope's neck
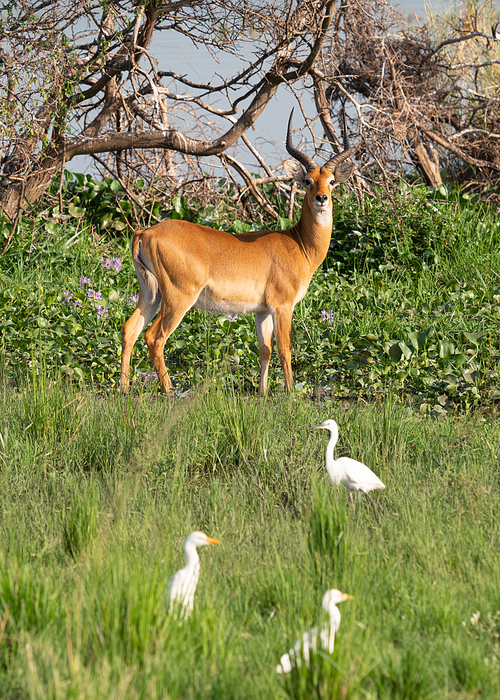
{"points": [[314, 232]]}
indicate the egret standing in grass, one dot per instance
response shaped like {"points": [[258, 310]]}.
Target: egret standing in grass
{"points": [[182, 585], [323, 636], [354, 475]]}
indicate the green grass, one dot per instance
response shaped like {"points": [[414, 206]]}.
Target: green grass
{"points": [[97, 494]]}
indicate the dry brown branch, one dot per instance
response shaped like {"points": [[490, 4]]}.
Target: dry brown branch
{"points": [[427, 94], [96, 74], [250, 184]]}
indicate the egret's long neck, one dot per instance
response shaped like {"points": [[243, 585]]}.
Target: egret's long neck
{"points": [[330, 459], [192, 557], [335, 618]]}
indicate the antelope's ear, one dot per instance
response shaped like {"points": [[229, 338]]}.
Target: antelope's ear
{"points": [[343, 172], [294, 170]]}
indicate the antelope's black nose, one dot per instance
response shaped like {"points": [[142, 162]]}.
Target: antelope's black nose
{"points": [[321, 198]]}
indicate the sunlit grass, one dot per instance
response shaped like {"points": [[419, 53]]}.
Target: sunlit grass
{"points": [[94, 509]]}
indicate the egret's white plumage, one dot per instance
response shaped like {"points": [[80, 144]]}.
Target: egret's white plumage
{"points": [[182, 585], [354, 475], [323, 636]]}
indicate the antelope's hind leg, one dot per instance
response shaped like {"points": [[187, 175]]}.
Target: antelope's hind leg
{"points": [[265, 327], [156, 336], [146, 309]]}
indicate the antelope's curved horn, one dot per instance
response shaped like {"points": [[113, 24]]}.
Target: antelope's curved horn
{"points": [[304, 160], [345, 154]]}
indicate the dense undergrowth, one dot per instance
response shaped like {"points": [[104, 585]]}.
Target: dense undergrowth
{"points": [[407, 298]]}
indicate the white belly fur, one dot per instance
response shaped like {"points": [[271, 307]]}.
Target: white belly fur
{"points": [[206, 302]]}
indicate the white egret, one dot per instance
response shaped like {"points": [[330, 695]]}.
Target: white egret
{"points": [[182, 585], [354, 475], [323, 636]]}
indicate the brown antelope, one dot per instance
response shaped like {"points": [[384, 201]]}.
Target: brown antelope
{"points": [[182, 266]]}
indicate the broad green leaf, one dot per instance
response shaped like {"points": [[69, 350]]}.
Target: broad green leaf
{"points": [[240, 226], [407, 352], [399, 350], [105, 222], [395, 352], [51, 226], [459, 359], [115, 186], [75, 211], [418, 339], [284, 223], [473, 337], [446, 348]]}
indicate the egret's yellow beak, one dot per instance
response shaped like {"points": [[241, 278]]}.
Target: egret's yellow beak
{"points": [[348, 597], [211, 540]]}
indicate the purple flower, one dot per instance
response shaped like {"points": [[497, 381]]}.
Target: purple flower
{"points": [[112, 264], [232, 318], [326, 315], [148, 377], [134, 298], [70, 301], [92, 294], [84, 280], [102, 311]]}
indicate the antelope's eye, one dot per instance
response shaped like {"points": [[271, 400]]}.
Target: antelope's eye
{"points": [[332, 182], [308, 182]]}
